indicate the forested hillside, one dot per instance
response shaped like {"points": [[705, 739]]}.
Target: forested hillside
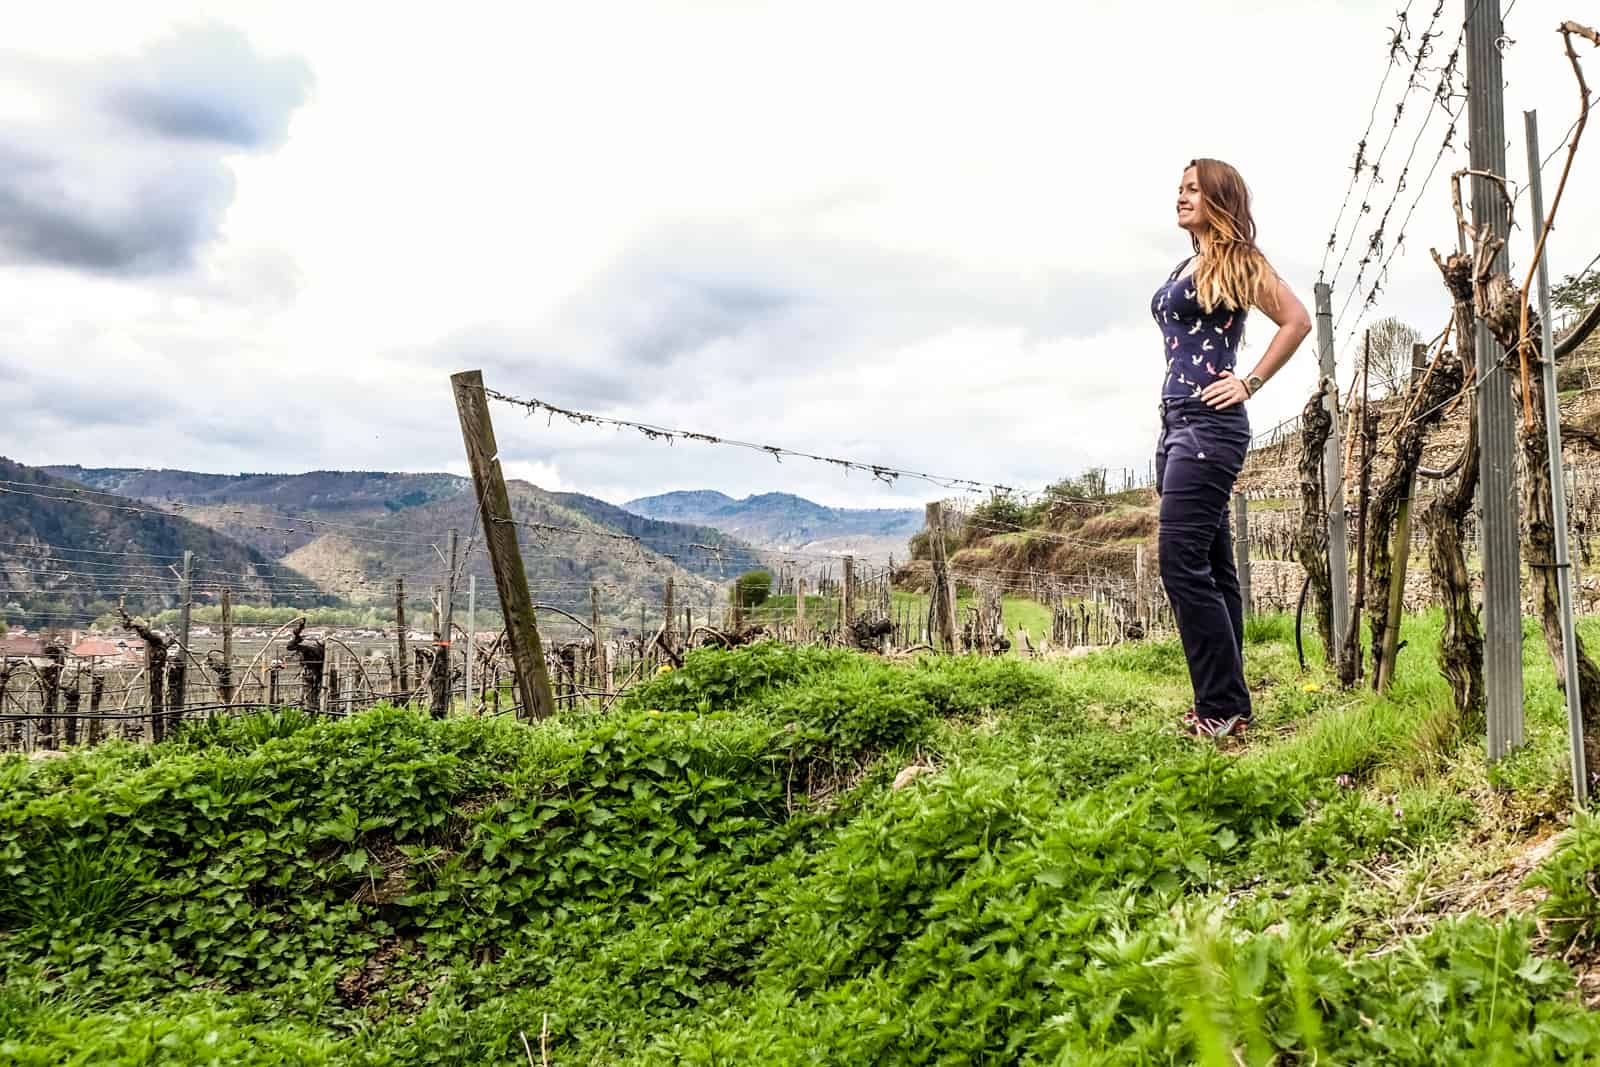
{"points": [[373, 527], [64, 551]]}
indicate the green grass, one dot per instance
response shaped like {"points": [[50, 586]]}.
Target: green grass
{"points": [[1014, 610], [721, 871]]}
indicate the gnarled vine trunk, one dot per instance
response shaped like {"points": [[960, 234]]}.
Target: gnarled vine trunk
{"points": [[1461, 641], [1311, 541], [1502, 307], [313, 654], [1423, 412]]}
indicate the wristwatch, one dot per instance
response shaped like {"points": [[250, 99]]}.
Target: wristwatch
{"points": [[1254, 382]]}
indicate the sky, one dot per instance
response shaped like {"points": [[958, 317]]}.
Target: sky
{"points": [[260, 237]]}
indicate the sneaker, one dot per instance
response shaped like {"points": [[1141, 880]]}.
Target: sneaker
{"points": [[1188, 719], [1232, 726]]}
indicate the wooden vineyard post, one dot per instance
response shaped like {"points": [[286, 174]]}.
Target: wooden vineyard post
{"points": [[1141, 590], [400, 637], [601, 678], [670, 636], [800, 609], [97, 692], [1241, 549], [1350, 663], [71, 697], [225, 672], [500, 538], [472, 630], [1390, 647], [443, 631], [180, 674], [942, 601], [50, 679], [849, 595]]}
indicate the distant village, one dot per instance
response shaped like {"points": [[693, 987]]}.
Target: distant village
{"points": [[118, 649]]}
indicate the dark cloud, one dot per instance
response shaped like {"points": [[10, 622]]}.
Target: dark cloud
{"points": [[703, 299], [143, 196], [48, 398], [657, 315], [54, 210], [209, 84], [525, 362]]}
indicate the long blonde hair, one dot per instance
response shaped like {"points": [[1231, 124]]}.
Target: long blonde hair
{"points": [[1233, 273]]}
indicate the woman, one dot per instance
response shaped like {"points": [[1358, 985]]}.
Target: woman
{"points": [[1201, 309]]}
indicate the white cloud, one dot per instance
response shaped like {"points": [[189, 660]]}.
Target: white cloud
{"points": [[921, 235]]}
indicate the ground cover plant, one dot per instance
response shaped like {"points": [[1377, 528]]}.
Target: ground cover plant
{"points": [[797, 855]]}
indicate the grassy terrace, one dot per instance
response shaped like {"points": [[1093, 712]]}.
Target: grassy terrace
{"points": [[724, 872]]}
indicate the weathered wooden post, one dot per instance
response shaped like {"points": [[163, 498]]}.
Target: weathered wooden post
{"points": [[849, 597], [225, 671], [601, 675], [72, 695], [1241, 550], [180, 672], [97, 692], [500, 538], [1350, 664], [400, 637], [799, 609], [472, 627], [942, 602], [1141, 589], [670, 636], [443, 625]]}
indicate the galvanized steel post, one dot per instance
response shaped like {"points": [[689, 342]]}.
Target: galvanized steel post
{"points": [[1558, 481], [1497, 485], [1333, 478]]}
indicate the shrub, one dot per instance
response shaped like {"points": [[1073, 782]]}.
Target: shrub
{"points": [[753, 588]]}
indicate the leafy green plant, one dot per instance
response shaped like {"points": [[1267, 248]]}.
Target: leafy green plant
{"points": [[781, 855]]}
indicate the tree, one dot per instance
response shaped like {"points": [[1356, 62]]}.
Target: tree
{"points": [[753, 588], [1576, 293], [1391, 354]]}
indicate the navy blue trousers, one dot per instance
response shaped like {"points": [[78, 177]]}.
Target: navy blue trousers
{"points": [[1198, 456]]}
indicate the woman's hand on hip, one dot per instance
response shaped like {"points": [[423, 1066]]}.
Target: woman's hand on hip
{"points": [[1225, 392]]}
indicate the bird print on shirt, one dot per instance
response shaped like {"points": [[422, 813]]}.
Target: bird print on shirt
{"points": [[1176, 310]]}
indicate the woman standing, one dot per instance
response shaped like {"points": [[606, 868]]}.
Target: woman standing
{"points": [[1201, 309]]}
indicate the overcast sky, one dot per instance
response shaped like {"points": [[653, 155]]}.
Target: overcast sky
{"points": [[260, 237]]}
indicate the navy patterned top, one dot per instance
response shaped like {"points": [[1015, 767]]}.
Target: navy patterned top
{"points": [[1198, 346]]}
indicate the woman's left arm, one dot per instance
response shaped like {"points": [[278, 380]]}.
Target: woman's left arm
{"points": [[1279, 304]]}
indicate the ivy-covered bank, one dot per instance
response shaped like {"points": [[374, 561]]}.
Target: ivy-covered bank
{"points": [[782, 855]]}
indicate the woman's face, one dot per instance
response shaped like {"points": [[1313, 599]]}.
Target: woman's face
{"points": [[1191, 203]]}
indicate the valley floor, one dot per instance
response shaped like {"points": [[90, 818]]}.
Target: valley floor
{"points": [[781, 855]]}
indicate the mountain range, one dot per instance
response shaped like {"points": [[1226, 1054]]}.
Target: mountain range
{"points": [[67, 556], [781, 522], [353, 533], [78, 538]]}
